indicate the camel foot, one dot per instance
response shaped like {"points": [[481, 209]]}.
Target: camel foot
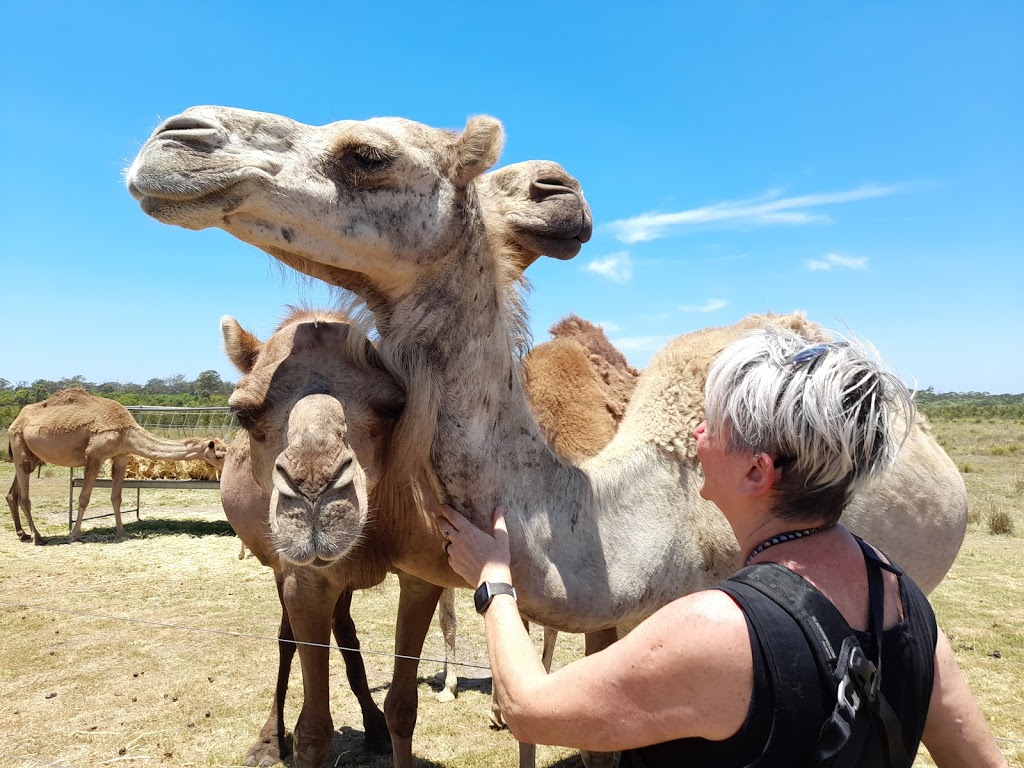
{"points": [[37, 540], [494, 715], [377, 743], [23, 536], [445, 695], [121, 535], [267, 752], [600, 759]]}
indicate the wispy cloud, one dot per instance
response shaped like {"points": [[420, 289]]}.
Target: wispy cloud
{"points": [[767, 209], [639, 343], [711, 305], [608, 326], [615, 266], [836, 260]]}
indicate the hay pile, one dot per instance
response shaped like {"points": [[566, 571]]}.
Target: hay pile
{"points": [[140, 468]]}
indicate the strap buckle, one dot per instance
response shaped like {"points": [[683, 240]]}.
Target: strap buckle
{"points": [[849, 700], [865, 673]]}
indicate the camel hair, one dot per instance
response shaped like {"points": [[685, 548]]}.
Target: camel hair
{"points": [[388, 209], [280, 446], [72, 428]]}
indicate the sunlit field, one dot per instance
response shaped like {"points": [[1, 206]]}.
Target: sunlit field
{"points": [[189, 681]]}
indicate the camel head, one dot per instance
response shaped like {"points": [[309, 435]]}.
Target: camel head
{"points": [[215, 452], [365, 205], [374, 197], [536, 208], [311, 404]]}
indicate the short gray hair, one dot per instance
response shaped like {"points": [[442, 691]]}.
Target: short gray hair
{"points": [[830, 413]]}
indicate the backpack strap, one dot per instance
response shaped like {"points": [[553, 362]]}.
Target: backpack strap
{"points": [[857, 677]]}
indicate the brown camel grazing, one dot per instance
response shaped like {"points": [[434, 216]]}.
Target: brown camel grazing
{"points": [[596, 546], [72, 428]]}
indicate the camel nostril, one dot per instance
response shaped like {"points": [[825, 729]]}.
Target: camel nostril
{"points": [[345, 476], [191, 129], [284, 483]]}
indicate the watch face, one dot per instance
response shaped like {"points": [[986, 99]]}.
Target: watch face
{"points": [[482, 597]]}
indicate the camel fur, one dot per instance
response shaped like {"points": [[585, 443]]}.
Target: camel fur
{"points": [[72, 428]]}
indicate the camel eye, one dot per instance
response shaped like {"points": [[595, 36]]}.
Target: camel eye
{"points": [[246, 418], [370, 159]]}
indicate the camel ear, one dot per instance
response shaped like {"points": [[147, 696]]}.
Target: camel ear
{"points": [[242, 347], [477, 149], [544, 209]]}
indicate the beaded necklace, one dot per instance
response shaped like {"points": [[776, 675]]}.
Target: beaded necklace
{"points": [[780, 538]]}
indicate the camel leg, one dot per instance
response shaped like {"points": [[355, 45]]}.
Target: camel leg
{"points": [[416, 603], [310, 607], [12, 502], [598, 641], [272, 746], [119, 467], [449, 624], [375, 727], [92, 470], [19, 496]]}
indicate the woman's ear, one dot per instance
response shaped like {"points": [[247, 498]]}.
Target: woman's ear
{"points": [[760, 477]]}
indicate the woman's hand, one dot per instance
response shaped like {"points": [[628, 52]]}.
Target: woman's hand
{"points": [[473, 554]]}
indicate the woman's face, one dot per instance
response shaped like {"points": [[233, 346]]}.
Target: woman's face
{"points": [[723, 469]]}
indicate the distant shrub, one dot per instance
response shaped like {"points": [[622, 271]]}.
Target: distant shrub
{"points": [[965, 468], [1018, 483], [973, 515], [1001, 523]]}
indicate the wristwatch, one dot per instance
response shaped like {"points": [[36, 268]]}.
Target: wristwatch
{"points": [[486, 592]]}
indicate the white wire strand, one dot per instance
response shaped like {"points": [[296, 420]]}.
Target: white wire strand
{"points": [[230, 633]]}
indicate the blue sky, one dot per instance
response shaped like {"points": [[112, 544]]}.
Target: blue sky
{"points": [[861, 161]]}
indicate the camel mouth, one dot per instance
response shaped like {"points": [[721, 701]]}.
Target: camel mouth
{"points": [[151, 190]]}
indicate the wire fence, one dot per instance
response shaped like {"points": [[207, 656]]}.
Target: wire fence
{"points": [[167, 421], [252, 636]]}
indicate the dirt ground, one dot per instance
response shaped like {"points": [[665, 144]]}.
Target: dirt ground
{"points": [[161, 649]]}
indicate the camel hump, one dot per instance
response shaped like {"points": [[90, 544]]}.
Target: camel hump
{"points": [[593, 338], [70, 396]]}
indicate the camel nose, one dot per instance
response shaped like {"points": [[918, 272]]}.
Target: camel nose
{"points": [[194, 129], [318, 458]]}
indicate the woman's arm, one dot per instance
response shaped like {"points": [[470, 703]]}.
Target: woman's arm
{"points": [[956, 732], [685, 671]]}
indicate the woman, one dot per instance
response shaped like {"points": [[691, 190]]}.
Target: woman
{"points": [[792, 430]]}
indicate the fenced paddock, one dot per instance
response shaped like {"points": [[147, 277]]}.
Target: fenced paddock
{"points": [[80, 689], [164, 421]]}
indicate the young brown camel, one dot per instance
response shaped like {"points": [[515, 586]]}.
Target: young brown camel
{"points": [[351, 391], [596, 546], [72, 428]]}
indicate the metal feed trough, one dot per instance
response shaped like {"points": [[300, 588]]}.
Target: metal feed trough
{"points": [[168, 422]]}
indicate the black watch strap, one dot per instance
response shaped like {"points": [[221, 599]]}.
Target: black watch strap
{"points": [[486, 592]]}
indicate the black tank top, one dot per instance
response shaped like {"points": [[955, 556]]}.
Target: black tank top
{"points": [[790, 701]]}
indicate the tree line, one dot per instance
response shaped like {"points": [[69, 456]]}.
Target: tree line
{"points": [[952, 406], [207, 389]]}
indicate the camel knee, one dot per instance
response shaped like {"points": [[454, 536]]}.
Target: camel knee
{"points": [[311, 741], [400, 712]]}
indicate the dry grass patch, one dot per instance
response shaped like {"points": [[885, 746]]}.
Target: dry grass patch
{"points": [[171, 696]]}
